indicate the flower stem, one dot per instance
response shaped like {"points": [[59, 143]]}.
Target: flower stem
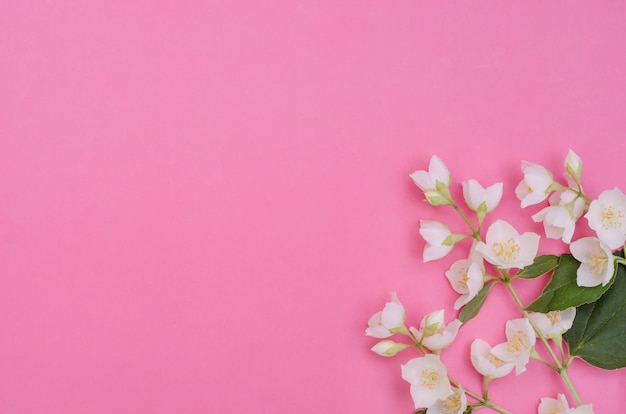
{"points": [[475, 232], [484, 402], [567, 380]]}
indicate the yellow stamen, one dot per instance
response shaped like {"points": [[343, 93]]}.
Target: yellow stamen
{"points": [[507, 251], [598, 261], [611, 218], [464, 278], [452, 404], [430, 378], [518, 343], [495, 361], [554, 317]]}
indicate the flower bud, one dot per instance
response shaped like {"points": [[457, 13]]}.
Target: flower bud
{"points": [[388, 348]]}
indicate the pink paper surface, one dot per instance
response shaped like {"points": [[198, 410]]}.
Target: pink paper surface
{"points": [[202, 202]]}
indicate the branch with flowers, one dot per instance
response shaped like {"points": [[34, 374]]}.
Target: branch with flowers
{"points": [[581, 305]]}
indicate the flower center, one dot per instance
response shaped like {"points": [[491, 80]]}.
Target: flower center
{"points": [[518, 343], [611, 218], [555, 410], [495, 361], [452, 404], [464, 278], [430, 378], [507, 251], [598, 261], [554, 317]]}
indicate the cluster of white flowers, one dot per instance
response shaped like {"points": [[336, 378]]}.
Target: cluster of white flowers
{"points": [[606, 216], [427, 375], [505, 252]]}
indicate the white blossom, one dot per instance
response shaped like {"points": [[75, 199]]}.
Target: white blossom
{"points": [[559, 219], [554, 323], [435, 234], [429, 381], [433, 333], [437, 172], [535, 186], [506, 248], [467, 278], [596, 262], [520, 342], [454, 404], [384, 323], [486, 363], [607, 216], [476, 196]]}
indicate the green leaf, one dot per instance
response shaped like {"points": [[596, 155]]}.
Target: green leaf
{"points": [[540, 266], [420, 412], [563, 292], [472, 307], [598, 334]]}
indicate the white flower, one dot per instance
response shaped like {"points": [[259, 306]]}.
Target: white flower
{"points": [[596, 262], [520, 341], [553, 405], [607, 216], [429, 380], [433, 333], [573, 165], [506, 249], [437, 172], [560, 405], [388, 348], [434, 182], [554, 323], [476, 196], [486, 363], [535, 186], [385, 323], [557, 223], [454, 404], [466, 278], [559, 220], [435, 234]]}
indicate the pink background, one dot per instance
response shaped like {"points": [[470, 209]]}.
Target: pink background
{"points": [[202, 202]]}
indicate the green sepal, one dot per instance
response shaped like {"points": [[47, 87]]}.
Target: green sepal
{"points": [[453, 239], [540, 266], [436, 199], [402, 330], [481, 212], [443, 188], [429, 330]]}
